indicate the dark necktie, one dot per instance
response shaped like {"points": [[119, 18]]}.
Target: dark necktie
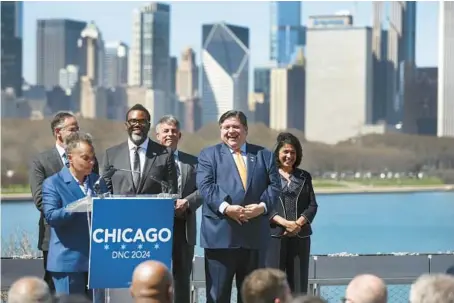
{"points": [[136, 169], [178, 173], [65, 160]]}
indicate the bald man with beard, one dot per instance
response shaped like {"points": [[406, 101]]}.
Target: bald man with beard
{"points": [[366, 289], [29, 290], [152, 283]]}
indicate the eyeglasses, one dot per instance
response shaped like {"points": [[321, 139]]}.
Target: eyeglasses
{"points": [[72, 129], [346, 300], [138, 121]]}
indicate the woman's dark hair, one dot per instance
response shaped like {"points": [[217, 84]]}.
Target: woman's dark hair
{"points": [[288, 138]]}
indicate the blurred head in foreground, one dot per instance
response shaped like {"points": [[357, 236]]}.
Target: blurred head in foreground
{"points": [[29, 290], [152, 283], [366, 289], [266, 285], [433, 288]]}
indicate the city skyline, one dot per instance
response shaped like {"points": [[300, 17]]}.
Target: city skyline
{"points": [[116, 24]]}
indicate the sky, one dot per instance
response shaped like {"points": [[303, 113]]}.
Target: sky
{"points": [[114, 19]]}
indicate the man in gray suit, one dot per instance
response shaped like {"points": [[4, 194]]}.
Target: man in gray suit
{"points": [[44, 165], [152, 165], [185, 224]]}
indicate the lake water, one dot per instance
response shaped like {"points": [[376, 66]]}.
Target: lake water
{"points": [[353, 223]]}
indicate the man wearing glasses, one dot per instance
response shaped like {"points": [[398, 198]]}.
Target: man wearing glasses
{"points": [[44, 165], [142, 165]]}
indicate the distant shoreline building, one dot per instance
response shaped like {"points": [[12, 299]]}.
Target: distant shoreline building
{"points": [[445, 127]]}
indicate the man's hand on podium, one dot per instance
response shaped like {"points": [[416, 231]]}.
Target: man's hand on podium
{"points": [[181, 205]]}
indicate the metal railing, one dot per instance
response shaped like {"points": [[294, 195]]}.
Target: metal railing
{"points": [[329, 275]]}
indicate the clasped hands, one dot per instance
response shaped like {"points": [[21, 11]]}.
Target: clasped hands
{"points": [[292, 228], [242, 214]]}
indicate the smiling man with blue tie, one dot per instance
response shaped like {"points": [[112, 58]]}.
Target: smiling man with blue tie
{"points": [[240, 185]]}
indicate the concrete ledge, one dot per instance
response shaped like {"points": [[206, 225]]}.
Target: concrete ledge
{"points": [[382, 266]]}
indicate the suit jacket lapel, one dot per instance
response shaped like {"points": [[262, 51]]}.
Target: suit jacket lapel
{"points": [[73, 186], [55, 160], [125, 162], [251, 162], [150, 157]]}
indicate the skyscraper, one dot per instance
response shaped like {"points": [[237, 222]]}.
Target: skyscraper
{"points": [[393, 44], [116, 63], [286, 32], [149, 58], [445, 125], [187, 90], [91, 54], [56, 48], [225, 62], [11, 62]]}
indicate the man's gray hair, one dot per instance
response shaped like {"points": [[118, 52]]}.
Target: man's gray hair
{"points": [[58, 121], [433, 288], [29, 290], [73, 140], [168, 119]]}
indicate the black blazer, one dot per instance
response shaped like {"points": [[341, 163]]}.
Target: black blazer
{"points": [[159, 166], [306, 206], [42, 166]]}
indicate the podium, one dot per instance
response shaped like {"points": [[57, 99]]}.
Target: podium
{"points": [[125, 230]]}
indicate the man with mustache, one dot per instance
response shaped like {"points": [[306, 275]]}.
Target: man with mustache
{"points": [[152, 164], [184, 229], [240, 185]]}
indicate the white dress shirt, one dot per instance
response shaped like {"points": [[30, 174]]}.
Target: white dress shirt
{"points": [[61, 152], [142, 154]]}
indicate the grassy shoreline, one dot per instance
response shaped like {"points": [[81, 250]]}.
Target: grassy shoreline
{"points": [[333, 188]]}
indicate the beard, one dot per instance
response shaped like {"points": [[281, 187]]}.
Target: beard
{"points": [[137, 139]]}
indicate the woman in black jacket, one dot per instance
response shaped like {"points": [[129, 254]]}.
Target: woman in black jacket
{"points": [[289, 248]]}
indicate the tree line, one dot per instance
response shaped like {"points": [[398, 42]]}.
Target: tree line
{"points": [[21, 139]]}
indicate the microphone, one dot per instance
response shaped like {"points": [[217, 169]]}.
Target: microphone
{"points": [[164, 185], [109, 172]]}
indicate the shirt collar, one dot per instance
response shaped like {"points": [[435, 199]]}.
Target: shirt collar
{"points": [[77, 181], [242, 149], [175, 154], [144, 145], [60, 150]]}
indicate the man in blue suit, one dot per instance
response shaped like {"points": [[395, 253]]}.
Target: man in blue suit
{"points": [[240, 185], [69, 234]]}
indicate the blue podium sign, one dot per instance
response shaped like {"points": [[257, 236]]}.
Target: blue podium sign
{"points": [[126, 231]]}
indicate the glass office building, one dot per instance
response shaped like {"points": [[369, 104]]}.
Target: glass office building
{"points": [[286, 31]]}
